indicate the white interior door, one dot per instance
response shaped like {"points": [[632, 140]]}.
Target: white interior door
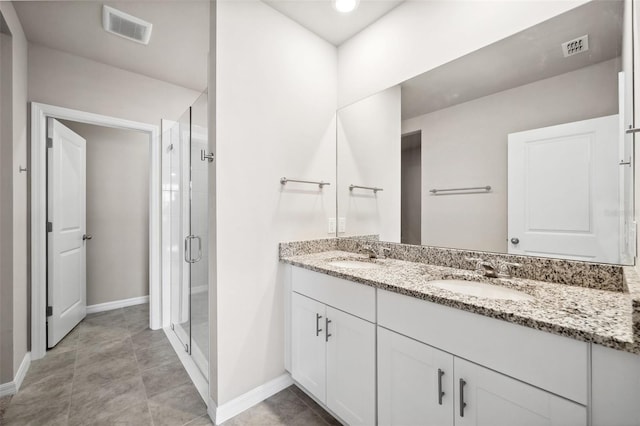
{"points": [[66, 249], [563, 191]]}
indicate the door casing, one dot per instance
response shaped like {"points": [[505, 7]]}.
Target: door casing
{"points": [[38, 199]]}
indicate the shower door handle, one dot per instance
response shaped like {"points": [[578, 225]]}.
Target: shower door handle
{"points": [[187, 249], [197, 259]]}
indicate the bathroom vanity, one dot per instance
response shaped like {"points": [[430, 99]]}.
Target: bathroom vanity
{"points": [[382, 341]]}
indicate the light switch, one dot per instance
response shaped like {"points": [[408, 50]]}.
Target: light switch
{"points": [[332, 225], [342, 224]]}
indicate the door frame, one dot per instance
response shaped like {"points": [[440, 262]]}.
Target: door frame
{"points": [[38, 253]]}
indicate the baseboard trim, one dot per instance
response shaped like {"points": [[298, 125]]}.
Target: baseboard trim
{"points": [[116, 304], [245, 401], [12, 387], [22, 370]]}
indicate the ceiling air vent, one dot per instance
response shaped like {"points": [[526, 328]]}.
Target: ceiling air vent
{"points": [[125, 25], [575, 46]]}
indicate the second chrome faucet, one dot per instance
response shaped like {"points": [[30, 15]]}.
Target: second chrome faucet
{"points": [[488, 269]]}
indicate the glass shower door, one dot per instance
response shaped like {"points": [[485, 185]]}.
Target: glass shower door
{"points": [[180, 286], [199, 226], [189, 232]]}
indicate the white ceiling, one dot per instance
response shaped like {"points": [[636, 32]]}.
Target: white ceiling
{"points": [[177, 53], [523, 58], [321, 18]]}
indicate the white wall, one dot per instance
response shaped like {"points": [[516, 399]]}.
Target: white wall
{"points": [[16, 247], [62, 79], [420, 35], [276, 101], [369, 154], [466, 145], [117, 212]]}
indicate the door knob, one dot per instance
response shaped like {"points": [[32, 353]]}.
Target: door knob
{"points": [[86, 237], [515, 241]]}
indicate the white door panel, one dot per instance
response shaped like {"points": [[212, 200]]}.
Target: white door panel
{"points": [[66, 263], [563, 191]]}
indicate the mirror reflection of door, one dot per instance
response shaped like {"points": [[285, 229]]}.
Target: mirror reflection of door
{"points": [[562, 197], [411, 188]]}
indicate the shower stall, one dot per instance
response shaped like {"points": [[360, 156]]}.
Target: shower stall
{"points": [[186, 163]]}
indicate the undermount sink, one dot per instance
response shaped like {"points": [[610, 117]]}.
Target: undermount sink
{"points": [[481, 289], [354, 264]]}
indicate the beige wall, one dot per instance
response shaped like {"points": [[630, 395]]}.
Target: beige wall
{"points": [[411, 192], [117, 212], [276, 101], [61, 79], [6, 217], [13, 276], [466, 145]]}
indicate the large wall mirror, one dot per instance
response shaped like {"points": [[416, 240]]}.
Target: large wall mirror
{"points": [[519, 147]]}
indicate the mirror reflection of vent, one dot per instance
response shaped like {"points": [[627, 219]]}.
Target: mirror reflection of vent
{"points": [[575, 46], [125, 25]]}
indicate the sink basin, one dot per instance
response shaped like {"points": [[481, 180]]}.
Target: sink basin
{"points": [[354, 264], [481, 289]]}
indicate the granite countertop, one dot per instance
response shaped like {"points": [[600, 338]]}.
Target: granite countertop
{"points": [[591, 315]]}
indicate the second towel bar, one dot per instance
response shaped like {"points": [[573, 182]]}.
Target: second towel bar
{"points": [[284, 180], [372, 188], [472, 188]]}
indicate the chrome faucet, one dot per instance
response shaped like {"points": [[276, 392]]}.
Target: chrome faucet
{"points": [[373, 254], [504, 269], [488, 269]]}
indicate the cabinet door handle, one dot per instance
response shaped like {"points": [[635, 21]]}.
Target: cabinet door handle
{"points": [[440, 393], [326, 325], [462, 403], [318, 329]]}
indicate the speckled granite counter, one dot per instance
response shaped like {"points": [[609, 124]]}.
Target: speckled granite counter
{"points": [[607, 317]]}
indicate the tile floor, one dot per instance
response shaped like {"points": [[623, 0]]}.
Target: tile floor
{"points": [[113, 370]]}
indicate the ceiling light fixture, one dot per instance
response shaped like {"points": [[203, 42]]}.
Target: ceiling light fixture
{"points": [[345, 6]]}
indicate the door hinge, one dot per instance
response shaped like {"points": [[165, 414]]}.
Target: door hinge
{"points": [[49, 226], [49, 143], [49, 311]]}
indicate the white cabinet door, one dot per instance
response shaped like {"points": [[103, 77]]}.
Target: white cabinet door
{"points": [[486, 398], [308, 360], [415, 382], [351, 385]]}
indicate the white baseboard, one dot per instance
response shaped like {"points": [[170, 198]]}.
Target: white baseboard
{"points": [[245, 401], [12, 387], [116, 304], [7, 389]]}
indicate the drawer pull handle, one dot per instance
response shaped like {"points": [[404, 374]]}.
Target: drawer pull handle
{"points": [[318, 329], [326, 325], [440, 392], [462, 403]]}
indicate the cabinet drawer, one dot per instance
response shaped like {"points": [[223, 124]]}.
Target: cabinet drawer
{"points": [[356, 299], [555, 363]]}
